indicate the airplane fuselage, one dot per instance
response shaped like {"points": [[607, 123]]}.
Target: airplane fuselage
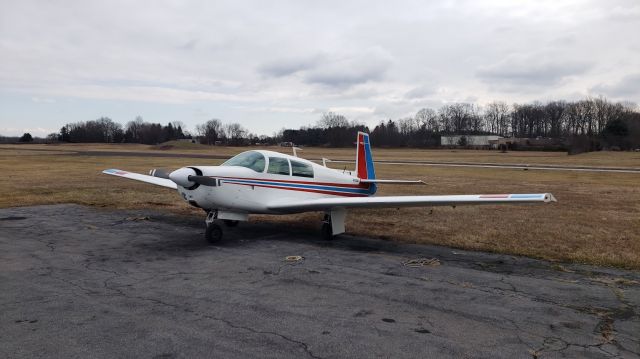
{"points": [[249, 188]]}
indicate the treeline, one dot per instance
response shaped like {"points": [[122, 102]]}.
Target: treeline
{"points": [[106, 130], [214, 132], [332, 130], [596, 121], [601, 122]]}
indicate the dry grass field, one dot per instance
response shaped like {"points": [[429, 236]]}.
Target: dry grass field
{"points": [[596, 159], [596, 221]]}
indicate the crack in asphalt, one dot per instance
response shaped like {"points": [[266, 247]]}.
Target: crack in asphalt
{"points": [[303, 345]]}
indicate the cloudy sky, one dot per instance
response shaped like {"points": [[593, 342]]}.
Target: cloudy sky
{"points": [[275, 64]]}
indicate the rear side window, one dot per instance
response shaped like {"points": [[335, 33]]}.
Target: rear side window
{"points": [[278, 166], [301, 169]]}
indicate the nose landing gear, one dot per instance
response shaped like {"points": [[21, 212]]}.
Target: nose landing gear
{"points": [[213, 233]]}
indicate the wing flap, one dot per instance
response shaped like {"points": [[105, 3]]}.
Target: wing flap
{"points": [[410, 201], [143, 178]]}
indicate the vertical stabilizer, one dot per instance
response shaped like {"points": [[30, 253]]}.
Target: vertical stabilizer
{"points": [[364, 160]]}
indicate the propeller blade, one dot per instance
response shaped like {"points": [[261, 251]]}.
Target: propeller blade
{"points": [[160, 173], [204, 180]]}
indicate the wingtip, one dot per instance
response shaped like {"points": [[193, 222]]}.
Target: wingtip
{"points": [[111, 171], [550, 198]]}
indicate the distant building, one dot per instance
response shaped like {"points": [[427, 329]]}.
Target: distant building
{"points": [[473, 141]]}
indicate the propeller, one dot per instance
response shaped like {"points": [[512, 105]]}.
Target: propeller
{"points": [[203, 180]]}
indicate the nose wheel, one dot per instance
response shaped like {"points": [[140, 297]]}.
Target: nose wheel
{"points": [[213, 233]]}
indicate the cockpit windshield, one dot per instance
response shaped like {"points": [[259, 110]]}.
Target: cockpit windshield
{"points": [[250, 159]]}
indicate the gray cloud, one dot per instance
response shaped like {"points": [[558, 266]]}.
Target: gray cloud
{"points": [[346, 76], [531, 70], [289, 66], [335, 70], [350, 69], [627, 88], [420, 92]]}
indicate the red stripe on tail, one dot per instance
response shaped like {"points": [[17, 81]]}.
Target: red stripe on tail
{"points": [[361, 160]]}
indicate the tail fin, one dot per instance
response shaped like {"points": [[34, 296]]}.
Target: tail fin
{"points": [[364, 160]]}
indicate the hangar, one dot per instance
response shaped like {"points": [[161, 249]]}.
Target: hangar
{"points": [[474, 141]]}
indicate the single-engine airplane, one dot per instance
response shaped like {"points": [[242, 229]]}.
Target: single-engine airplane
{"points": [[267, 182]]}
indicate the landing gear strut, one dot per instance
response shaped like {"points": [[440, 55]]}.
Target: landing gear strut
{"points": [[213, 233], [327, 230]]}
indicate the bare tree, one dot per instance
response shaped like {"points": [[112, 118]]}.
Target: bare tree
{"points": [[428, 120], [555, 113], [210, 132], [460, 118], [236, 134], [332, 119], [133, 130], [497, 118]]}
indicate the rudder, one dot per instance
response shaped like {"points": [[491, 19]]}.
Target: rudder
{"points": [[364, 159]]}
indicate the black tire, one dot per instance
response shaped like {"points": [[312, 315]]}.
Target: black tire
{"points": [[327, 231], [231, 223], [213, 234]]}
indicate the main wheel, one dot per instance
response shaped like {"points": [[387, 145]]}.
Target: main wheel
{"points": [[213, 234], [230, 222], [327, 231]]}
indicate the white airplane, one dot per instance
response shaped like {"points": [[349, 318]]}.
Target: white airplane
{"points": [[267, 182]]}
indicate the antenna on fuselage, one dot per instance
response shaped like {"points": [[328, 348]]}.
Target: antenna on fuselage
{"points": [[324, 161], [295, 150]]}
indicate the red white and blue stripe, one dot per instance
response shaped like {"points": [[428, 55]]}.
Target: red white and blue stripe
{"points": [[336, 189]]}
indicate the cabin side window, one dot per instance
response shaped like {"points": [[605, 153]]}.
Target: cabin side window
{"points": [[301, 169], [278, 166], [250, 159]]}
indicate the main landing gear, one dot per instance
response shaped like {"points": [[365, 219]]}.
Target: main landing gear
{"points": [[333, 223], [326, 231]]}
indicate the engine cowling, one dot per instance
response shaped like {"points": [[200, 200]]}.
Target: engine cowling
{"points": [[181, 177]]}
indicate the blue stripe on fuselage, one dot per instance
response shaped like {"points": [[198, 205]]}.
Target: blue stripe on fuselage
{"points": [[295, 185]]}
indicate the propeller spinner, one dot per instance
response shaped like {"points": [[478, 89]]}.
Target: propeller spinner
{"points": [[190, 178]]}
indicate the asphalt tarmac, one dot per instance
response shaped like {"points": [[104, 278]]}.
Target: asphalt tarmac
{"points": [[85, 282]]}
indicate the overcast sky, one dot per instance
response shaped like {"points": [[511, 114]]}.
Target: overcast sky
{"points": [[275, 64]]}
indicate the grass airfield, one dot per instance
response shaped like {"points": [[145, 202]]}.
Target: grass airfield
{"points": [[596, 219]]}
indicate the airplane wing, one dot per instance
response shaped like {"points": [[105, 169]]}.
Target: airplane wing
{"points": [[409, 201], [144, 178]]}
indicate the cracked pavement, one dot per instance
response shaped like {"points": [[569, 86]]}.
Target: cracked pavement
{"points": [[84, 282]]}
